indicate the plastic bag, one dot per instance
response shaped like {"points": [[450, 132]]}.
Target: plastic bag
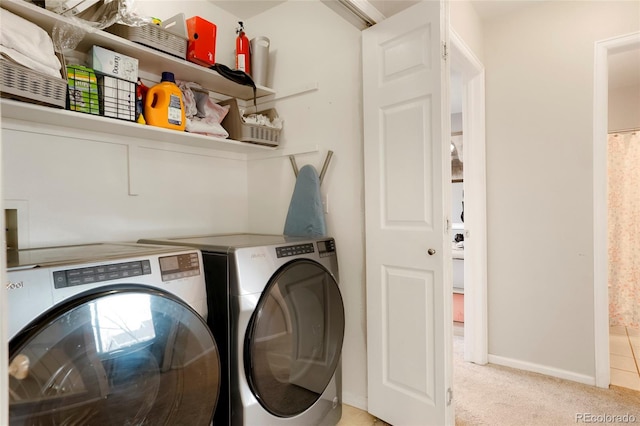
{"points": [[67, 35]]}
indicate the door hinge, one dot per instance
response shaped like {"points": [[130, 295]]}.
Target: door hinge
{"points": [[445, 53], [449, 397]]}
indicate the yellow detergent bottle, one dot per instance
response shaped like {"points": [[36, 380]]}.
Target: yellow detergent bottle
{"points": [[163, 105]]}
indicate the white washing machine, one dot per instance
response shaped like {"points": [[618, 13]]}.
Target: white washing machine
{"points": [[110, 334], [279, 322]]}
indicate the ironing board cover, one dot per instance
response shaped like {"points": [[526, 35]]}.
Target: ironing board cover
{"points": [[305, 217]]}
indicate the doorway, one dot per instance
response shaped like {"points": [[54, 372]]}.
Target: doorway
{"points": [[623, 152], [603, 51], [470, 73]]}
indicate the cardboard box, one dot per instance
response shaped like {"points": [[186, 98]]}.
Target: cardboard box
{"points": [[83, 89], [114, 64], [202, 41]]}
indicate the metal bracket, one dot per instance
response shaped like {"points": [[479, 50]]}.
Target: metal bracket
{"points": [[292, 158], [323, 171]]}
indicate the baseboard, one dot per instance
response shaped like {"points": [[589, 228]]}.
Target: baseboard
{"points": [[542, 369], [353, 400]]}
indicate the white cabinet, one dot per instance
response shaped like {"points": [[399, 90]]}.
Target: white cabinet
{"points": [[152, 62]]}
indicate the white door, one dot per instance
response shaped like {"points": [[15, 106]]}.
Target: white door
{"points": [[408, 253]]}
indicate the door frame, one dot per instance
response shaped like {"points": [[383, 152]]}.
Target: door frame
{"points": [[4, 317], [475, 193], [603, 49]]}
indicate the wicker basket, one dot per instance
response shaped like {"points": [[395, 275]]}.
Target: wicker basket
{"points": [[25, 84], [173, 42], [245, 132]]}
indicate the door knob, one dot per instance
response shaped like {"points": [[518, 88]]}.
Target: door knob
{"points": [[431, 252]]}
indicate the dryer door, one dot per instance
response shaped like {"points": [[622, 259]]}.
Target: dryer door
{"points": [[122, 355], [294, 340]]}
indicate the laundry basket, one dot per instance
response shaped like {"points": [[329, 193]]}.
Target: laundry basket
{"points": [[247, 132], [24, 84], [170, 37]]}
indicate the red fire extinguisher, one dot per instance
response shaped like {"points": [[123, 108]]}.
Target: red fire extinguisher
{"points": [[243, 53]]}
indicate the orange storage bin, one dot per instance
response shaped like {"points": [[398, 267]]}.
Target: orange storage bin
{"points": [[201, 49]]}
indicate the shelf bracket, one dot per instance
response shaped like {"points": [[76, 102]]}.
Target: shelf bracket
{"points": [[292, 158], [325, 166], [323, 171]]}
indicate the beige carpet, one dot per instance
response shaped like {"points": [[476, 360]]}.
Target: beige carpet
{"points": [[496, 396]]}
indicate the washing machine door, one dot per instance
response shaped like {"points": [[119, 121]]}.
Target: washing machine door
{"points": [[294, 339], [123, 355]]}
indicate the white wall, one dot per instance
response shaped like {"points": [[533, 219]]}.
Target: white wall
{"points": [[539, 107], [467, 24], [624, 107], [75, 190], [456, 122]]}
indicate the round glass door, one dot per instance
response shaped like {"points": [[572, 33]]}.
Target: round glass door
{"points": [[294, 340], [121, 356]]}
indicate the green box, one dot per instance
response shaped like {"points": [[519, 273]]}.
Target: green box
{"points": [[83, 89]]}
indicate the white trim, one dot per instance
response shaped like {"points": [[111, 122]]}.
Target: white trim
{"points": [[467, 58], [541, 369], [4, 317], [354, 400], [475, 183], [364, 10], [600, 257]]}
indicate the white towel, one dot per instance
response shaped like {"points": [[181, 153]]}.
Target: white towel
{"points": [[27, 44], [26, 61]]}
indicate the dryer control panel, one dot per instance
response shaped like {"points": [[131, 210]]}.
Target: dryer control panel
{"points": [[294, 250], [179, 266], [327, 248]]}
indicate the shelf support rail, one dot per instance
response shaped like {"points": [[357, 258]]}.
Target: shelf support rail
{"points": [[323, 171], [325, 166], [292, 158]]}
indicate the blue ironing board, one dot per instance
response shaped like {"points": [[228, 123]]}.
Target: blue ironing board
{"points": [[305, 217]]}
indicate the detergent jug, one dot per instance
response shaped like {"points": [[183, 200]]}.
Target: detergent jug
{"points": [[163, 104]]}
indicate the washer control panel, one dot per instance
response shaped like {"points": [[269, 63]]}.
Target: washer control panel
{"points": [[294, 250], [96, 274], [179, 266]]}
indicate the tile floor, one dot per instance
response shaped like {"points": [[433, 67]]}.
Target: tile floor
{"points": [[624, 352]]}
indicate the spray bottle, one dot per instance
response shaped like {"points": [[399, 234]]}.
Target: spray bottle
{"points": [[243, 52]]}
